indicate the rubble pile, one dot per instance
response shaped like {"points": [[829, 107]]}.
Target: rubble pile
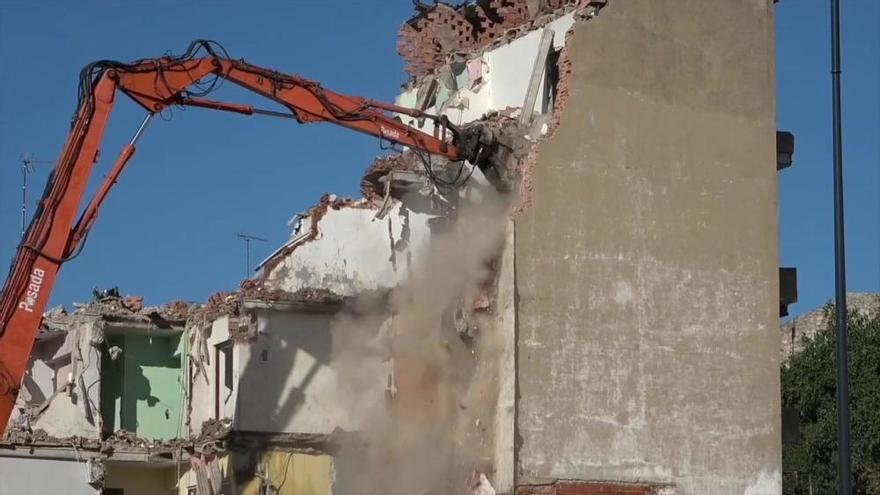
{"points": [[373, 182], [121, 440], [254, 290], [21, 434], [113, 307]]}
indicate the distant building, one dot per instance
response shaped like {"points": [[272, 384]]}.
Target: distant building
{"points": [[805, 326]]}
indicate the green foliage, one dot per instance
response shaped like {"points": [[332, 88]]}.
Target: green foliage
{"points": [[809, 386]]}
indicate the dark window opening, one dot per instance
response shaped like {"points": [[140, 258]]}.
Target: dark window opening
{"points": [[223, 371], [551, 81]]}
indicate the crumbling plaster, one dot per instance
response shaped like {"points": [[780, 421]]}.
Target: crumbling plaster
{"points": [[354, 251], [647, 266], [61, 388]]}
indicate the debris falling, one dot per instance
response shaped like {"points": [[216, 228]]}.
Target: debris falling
{"points": [[435, 431]]}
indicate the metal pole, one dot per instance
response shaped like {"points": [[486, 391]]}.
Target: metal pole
{"points": [[24, 177], [140, 131], [247, 250], [843, 419], [247, 268]]}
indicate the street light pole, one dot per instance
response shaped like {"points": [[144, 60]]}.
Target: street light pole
{"points": [[843, 417]]}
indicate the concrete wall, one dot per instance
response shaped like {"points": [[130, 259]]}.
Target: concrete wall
{"points": [[288, 381], [647, 269], [44, 477]]}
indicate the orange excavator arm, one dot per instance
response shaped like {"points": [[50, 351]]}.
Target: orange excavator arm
{"points": [[54, 236]]}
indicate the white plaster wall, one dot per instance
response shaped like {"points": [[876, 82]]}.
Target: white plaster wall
{"points": [[354, 251], [203, 392], [289, 381], [43, 477]]}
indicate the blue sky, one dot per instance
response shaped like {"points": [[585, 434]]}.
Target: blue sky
{"points": [[168, 229]]}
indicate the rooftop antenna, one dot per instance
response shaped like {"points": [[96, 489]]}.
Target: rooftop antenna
{"points": [[247, 242], [27, 167]]}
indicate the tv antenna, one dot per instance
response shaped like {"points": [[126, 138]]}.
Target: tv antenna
{"points": [[27, 168], [247, 249]]}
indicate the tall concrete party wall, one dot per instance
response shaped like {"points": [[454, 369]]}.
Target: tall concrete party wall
{"points": [[647, 268]]}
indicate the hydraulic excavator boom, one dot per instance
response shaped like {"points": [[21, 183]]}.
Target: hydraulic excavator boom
{"points": [[54, 236]]}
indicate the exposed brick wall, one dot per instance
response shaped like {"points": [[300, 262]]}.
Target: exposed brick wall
{"points": [[425, 40], [563, 86]]}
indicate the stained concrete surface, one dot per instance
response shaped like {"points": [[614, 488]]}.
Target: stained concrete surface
{"points": [[43, 477], [647, 269]]}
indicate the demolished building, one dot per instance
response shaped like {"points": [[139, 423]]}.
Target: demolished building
{"points": [[603, 326]]}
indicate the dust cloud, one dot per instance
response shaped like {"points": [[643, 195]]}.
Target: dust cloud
{"points": [[433, 431]]}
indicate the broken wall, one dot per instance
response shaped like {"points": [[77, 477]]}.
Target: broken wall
{"points": [[647, 267], [61, 388], [348, 249], [492, 80]]}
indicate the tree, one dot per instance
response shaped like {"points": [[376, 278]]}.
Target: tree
{"points": [[809, 387]]}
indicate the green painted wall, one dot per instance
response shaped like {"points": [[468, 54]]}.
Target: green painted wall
{"points": [[140, 391]]}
